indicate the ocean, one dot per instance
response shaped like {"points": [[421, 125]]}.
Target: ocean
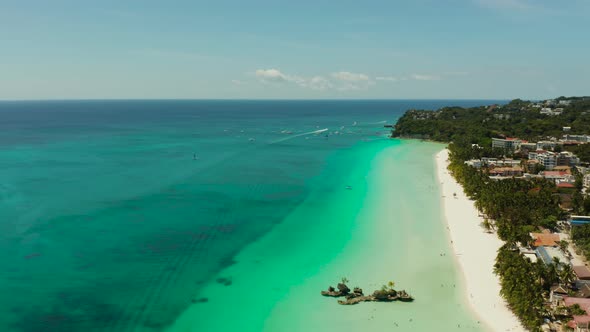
{"points": [[180, 215]]}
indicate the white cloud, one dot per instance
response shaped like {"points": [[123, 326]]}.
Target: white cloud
{"points": [[345, 80], [271, 75], [350, 77], [319, 83], [387, 78], [340, 81], [422, 77]]}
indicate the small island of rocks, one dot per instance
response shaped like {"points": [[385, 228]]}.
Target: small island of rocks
{"points": [[386, 294]]}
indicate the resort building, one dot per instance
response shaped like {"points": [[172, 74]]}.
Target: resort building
{"points": [[578, 323], [506, 171], [547, 145], [576, 138], [566, 158], [545, 239], [587, 181], [508, 143], [546, 254], [545, 158], [559, 176], [528, 146], [492, 162], [556, 295], [550, 160], [474, 163]]}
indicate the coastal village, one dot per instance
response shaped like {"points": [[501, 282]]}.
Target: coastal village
{"points": [[555, 246], [547, 159]]}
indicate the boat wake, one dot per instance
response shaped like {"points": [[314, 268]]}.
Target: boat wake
{"points": [[315, 132]]}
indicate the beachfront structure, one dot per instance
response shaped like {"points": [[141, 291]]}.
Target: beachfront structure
{"points": [[587, 181], [556, 295], [487, 162], [579, 323], [579, 220], [506, 171], [546, 254], [474, 163], [559, 177], [545, 239], [551, 159], [508, 143]]}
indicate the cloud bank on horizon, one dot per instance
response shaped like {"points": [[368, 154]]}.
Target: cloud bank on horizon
{"points": [[342, 80]]}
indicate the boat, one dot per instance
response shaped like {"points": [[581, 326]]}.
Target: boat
{"points": [[348, 187]]}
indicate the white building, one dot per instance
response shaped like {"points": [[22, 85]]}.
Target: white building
{"points": [[546, 145], [576, 138], [474, 163], [551, 159], [479, 163], [506, 144], [547, 159], [528, 146]]}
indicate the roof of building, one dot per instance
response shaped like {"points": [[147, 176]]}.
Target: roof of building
{"points": [[559, 289], [565, 185], [554, 173], [546, 254], [545, 239], [583, 303], [581, 271]]}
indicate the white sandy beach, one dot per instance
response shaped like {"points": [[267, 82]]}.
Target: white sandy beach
{"points": [[475, 251]]}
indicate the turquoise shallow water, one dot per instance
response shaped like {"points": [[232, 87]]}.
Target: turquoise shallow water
{"points": [[116, 216]]}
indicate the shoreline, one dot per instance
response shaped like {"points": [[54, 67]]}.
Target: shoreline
{"points": [[466, 234]]}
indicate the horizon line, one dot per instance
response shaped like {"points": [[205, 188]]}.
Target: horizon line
{"points": [[260, 99]]}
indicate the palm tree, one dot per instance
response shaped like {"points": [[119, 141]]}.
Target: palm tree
{"points": [[344, 280], [391, 284], [566, 275]]}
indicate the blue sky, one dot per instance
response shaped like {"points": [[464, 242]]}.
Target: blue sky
{"points": [[294, 49]]}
